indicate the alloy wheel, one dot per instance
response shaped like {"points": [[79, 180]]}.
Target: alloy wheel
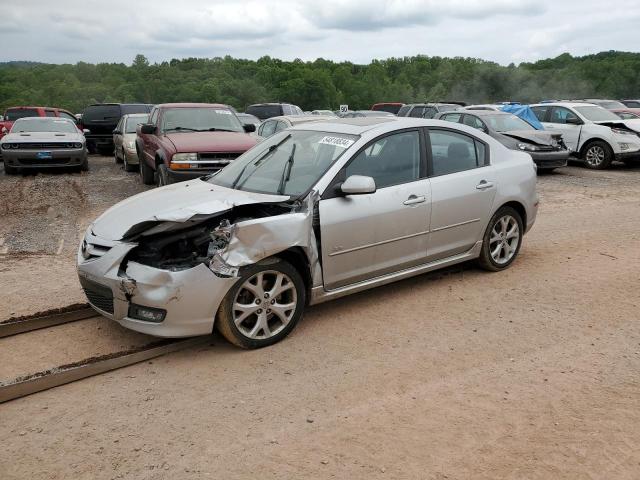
{"points": [[264, 304], [504, 239], [595, 155]]}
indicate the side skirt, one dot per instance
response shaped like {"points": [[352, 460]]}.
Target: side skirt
{"points": [[320, 295]]}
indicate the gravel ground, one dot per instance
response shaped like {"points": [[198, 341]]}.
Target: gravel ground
{"points": [[531, 373]]}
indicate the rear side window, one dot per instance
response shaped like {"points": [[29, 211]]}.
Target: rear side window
{"points": [[67, 116], [452, 117], [417, 112], [540, 112], [474, 122], [14, 114], [268, 129], [281, 126], [49, 113], [453, 152], [429, 112]]}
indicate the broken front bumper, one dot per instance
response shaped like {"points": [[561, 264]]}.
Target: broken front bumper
{"points": [[190, 297]]}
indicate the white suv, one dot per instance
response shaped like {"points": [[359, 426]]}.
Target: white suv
{"points": [[594, 134]]}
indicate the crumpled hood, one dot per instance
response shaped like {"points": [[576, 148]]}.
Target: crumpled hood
{"points": [[43, 137], [633, 124], [188, 142], [174, 203], [539, 137]]}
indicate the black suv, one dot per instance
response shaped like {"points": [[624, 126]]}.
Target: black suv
{"points": [[101, 119], [268, 110], [427, 110]]}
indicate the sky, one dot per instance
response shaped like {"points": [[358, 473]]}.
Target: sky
{"points": [[504, 31]]}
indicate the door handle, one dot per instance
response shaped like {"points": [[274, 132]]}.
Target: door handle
{"points": [[413, 200], [483, 185]]}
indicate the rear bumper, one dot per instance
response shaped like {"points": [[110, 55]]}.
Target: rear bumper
{"points": [[100, 141], [59, 158], [550, 159]]}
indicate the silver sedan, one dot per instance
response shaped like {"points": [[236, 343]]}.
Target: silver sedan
{"points": [[311, 214]]}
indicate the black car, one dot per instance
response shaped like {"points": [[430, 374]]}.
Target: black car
{"points": [[268, 110], [427, 110], [547, 149], [102, 118]]}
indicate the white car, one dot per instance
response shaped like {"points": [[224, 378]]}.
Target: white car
{"points": [[313, 213], [594, 134]]}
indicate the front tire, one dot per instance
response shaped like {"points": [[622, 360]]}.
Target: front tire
{"points": [[8, 170], [115, 154], [263, 306], [127, 166], [84, 166], [597, 155], [162, 175], [146, 173], [502, 240]]}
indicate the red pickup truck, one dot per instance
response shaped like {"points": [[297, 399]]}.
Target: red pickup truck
{"points": [[187, 140], [11, 114]]}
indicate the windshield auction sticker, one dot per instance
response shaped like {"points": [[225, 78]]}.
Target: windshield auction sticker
{"points": [[223, 112], [337, 141]]}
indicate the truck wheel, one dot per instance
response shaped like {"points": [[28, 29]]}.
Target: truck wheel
{"points": [[9, 170], [263, 306], [146, 172], [163, 176], [597, 155]]}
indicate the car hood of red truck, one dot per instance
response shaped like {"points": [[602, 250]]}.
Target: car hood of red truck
{"points": [[197, 142]]}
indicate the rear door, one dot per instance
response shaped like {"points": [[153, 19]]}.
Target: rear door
{"points": [[365, 236], [463, 186]]}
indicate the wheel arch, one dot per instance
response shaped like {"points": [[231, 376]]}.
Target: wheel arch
{"points": [[586, 144], [297, 257], [518, 207]]}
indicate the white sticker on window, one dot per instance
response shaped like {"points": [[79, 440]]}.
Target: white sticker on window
{"points": [[337, 141], [223, 112]]}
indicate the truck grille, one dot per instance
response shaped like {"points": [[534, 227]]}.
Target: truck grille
{"points": [[223, 157], [98, 295]]}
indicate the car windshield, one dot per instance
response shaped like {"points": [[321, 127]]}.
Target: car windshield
{"points": [[288, 163], [506, 123], [15, 114], [200, 119], [609, 104], [134, 121], [44, 125], [596, 114]]}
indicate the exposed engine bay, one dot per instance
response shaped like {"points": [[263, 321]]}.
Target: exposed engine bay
{"points": [[178, 246]]}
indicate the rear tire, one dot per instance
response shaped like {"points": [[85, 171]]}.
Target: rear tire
{"points": [[502, 240], [597, 155], [10, 170], [263, 306], [146, 173]]}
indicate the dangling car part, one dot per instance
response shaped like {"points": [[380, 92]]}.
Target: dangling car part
{"points": [[310, 214]]}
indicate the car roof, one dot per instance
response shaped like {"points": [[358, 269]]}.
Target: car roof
{"points": [[562, 104], [269, 104], [479, 113], [192, 105], [293, 119], [46, 119]]}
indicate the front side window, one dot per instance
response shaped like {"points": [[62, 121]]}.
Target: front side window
{"points": [[404, 110], [200, 120], [153, 118], [392, 160], [281, 126], [287, 163], [268, 129], [67, 116], [453, 152], [133, 122], [561, 115], [451, 117], [429, 112]]}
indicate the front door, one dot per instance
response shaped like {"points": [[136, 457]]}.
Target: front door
{"points": [[557, 120], [365, 236], [463, 186]]}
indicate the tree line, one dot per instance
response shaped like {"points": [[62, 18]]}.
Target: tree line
{"points": [[319, 84]]}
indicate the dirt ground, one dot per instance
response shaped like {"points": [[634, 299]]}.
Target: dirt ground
{"points": [[531, 373]]}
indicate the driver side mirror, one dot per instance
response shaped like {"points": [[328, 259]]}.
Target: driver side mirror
{"points": [[358, 185], [86, 130], [249, 127], [4, 130], [148, 128], [573, 121]]}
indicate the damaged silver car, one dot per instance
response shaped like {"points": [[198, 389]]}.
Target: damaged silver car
{"points": [[313, 213]]}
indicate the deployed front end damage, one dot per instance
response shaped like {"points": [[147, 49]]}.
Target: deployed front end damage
{"points": [[169, 277]]}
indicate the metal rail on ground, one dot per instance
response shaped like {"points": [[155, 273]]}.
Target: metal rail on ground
{"points": [[23, 386], [15, 326]]}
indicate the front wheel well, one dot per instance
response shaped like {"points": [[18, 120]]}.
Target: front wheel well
{"points": [[298, 259], [590, 141]]}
